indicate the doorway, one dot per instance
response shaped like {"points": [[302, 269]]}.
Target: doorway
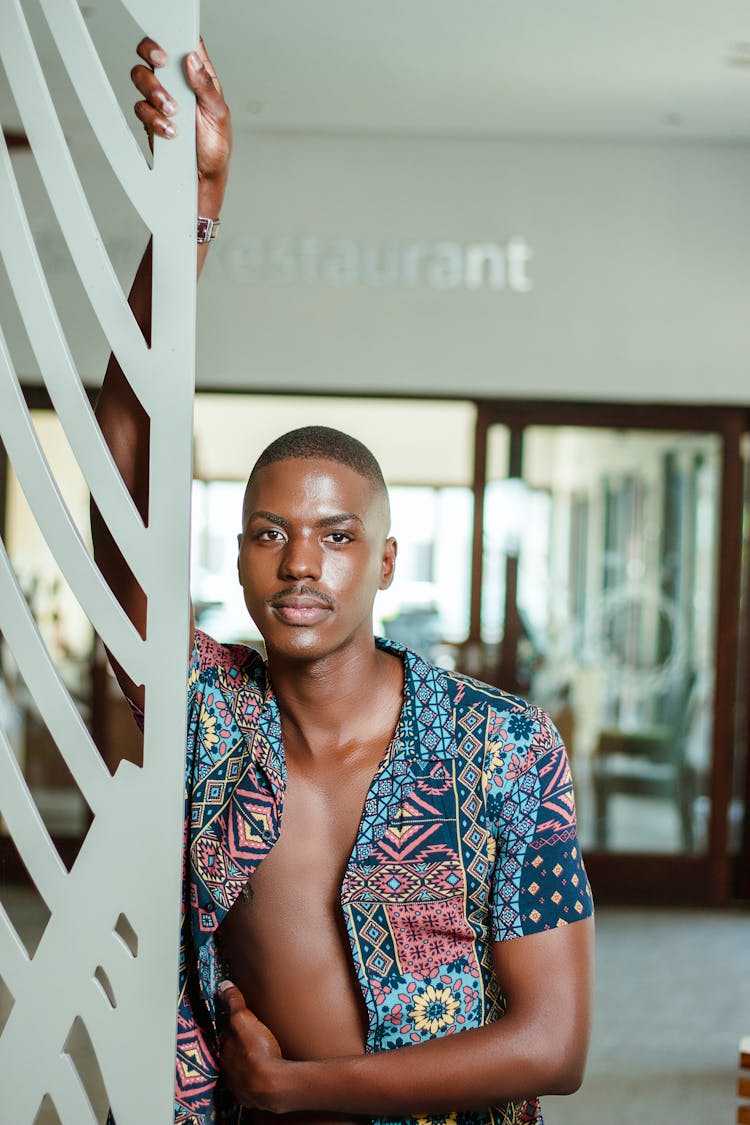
{"points": [[606, 589]]}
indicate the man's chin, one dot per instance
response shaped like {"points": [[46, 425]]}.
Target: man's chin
{"points": [[306, 645], [297, 643]]}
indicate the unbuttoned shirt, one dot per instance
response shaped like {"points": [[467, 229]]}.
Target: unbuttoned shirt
{"points": [[467, 837]]}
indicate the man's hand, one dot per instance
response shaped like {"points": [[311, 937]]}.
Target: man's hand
{"points": [[251, 1062], [212, 118]]}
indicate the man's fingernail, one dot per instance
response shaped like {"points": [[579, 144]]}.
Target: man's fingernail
{"points": [[225, 985], [169, 107], [169, 129], [194, 60]]}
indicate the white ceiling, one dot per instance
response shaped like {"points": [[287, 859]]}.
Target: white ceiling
{"points": [[602, 69], [585, 68]]}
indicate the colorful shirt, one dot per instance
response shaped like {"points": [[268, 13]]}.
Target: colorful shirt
{"points": [[467, 837]]}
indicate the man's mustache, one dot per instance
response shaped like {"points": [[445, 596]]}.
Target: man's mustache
{"points": [[301, 592]]}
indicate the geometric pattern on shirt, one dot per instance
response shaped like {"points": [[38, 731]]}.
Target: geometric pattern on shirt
{"points": [[467, 836], [429, 934], [405, 882]]}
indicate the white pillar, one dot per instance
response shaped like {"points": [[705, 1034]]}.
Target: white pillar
{"points": [[130, 860]]}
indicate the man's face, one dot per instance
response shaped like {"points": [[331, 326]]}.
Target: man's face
{"points": [[313, 552]]}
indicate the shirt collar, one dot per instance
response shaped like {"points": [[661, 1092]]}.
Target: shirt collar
{"points": [[426, 729], [427, 718]]}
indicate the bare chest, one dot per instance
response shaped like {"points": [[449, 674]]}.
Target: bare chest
{"points": [[285, 939], [321, 817]]}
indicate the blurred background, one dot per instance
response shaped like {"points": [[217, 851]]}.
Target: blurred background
{"points": [[507, 247]]}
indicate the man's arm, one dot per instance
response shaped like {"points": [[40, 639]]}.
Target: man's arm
{"points": [[123, 421], [538, 1047]]}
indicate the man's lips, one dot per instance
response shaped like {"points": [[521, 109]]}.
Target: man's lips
{"points": [[300, 609]]}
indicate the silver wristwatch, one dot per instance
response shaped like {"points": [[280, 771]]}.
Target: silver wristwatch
{"points": [[207, 228]]}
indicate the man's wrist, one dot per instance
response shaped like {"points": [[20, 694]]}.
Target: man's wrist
{"points": [[291, 1085], [308, 1085], [211, 196]]}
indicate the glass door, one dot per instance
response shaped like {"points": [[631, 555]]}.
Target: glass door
{"points": [[606, 596]]}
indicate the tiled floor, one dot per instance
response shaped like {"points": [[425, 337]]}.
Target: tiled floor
{"points": [[673, 999]]}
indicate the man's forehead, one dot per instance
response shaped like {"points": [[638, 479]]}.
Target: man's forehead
{"points": [[310, 482]]}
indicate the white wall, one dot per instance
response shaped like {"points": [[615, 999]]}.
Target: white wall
{"points": [[641, 270]]}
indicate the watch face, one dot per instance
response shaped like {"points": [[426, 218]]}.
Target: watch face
{"points": [[207, 228]]}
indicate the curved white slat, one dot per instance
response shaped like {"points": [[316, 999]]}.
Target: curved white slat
{"points": [[37, 1018], [143, 13], [56, 364], [69, 1094], [28, 831], [48, 507], [69, 201], [59, 712], [99, 102], [13, 957], [120, 973]]}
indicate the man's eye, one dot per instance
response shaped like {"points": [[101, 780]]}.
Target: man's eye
{"points": [[269, 533], [340, 537]]}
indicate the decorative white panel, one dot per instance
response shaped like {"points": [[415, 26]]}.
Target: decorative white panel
{"points": [[106, 965]]}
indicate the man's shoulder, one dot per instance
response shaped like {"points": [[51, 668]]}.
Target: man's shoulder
{"points": [[487, 716], [470, 692], [236, 666]]}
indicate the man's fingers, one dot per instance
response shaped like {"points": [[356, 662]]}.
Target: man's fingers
{"points": [[151, 52], [203, 55], [231, 998], [204, 83], [157, 106], [146, 83], [153, 121]]}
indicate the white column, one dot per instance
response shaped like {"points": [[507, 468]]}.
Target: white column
{"points": [[130, 860]]}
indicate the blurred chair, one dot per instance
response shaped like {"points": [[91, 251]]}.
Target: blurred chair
{"points": [[743, 1083], [649, 761], [418, 627]]}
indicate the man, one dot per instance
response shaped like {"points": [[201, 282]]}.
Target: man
{"points": [[427, 819]]}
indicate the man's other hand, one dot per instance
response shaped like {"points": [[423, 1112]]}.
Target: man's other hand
{"points": [[157, 107], [251, 1060]]}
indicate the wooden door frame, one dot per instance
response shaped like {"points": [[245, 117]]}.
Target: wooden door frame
{"points": [[711, 879]]}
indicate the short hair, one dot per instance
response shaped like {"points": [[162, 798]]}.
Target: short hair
{"points": [[322, 442]]}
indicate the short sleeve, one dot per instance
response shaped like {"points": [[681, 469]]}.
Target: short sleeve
{"points": [[224, 697], [538, 879]]}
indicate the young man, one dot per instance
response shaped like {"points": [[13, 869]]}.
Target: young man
{"points": [[427, 818]]}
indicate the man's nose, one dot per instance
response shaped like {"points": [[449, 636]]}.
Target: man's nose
{"points": [[301, 558]]}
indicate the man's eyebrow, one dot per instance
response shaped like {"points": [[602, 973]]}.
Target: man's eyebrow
{"points": [[327, 521], [342, 517], [270, 516]]}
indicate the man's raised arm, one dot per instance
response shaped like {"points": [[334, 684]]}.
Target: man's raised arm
{"points": [[123, 421]]}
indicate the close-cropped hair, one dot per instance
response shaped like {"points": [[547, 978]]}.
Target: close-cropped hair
{"points": [[322, 443]]}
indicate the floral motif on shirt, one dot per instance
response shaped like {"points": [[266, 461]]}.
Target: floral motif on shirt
{"points": [[434, 1009]]}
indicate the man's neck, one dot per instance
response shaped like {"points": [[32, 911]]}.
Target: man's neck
{"points": [[329, 701]]}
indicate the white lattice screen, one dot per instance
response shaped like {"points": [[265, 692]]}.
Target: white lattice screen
{"points": [[106, 965]]}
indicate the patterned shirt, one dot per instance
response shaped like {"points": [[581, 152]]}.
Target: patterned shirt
{"points": [[467, 837]]}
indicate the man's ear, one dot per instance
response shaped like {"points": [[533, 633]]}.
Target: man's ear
{"points": [[388, 565], [239, 545]]}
